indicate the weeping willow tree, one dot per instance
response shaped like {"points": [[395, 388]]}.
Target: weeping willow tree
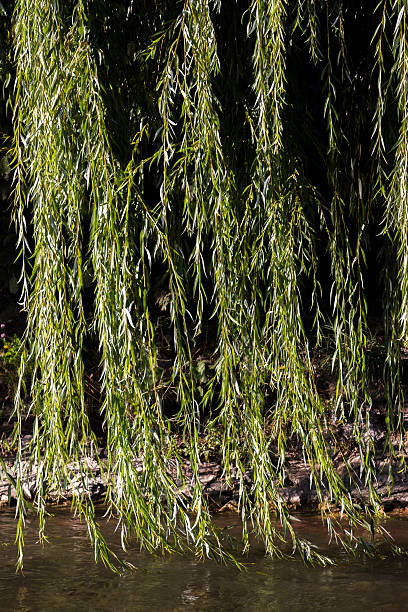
{"points": [[248, 160]]}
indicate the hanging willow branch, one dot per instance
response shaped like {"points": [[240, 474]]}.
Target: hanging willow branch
{"points": [[49, 179], [234, 225]]}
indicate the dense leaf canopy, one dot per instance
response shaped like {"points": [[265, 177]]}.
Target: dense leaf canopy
{"points": [[244, 165]]}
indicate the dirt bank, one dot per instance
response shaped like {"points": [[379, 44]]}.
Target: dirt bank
{"points": [[297, 492]]}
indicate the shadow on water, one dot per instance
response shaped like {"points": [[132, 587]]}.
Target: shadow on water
{"points": [[61, 576]]}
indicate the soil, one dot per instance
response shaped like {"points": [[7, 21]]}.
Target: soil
{"points": [[297, 492]]}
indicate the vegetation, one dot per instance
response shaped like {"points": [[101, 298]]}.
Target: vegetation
{"points": [[208, 191]]}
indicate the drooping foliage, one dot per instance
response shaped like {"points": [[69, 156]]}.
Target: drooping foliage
{"points": [[243, 163]]}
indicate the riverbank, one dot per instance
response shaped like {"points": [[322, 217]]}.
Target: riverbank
{"points": [[298, 493]]}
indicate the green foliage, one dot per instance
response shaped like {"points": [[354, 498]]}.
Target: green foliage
{"points": [[175, 147], [11, 354]]}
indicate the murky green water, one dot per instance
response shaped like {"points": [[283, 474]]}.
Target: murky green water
{"points": [[62, 577]]}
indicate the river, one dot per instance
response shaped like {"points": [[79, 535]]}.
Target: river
{"points": [[61, 576]]}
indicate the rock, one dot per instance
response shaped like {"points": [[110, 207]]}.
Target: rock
{"points": [[205, 479]]}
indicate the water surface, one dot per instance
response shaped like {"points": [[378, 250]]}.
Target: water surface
{"points": [[61, 576]]}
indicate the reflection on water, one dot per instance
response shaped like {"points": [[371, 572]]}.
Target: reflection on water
{"points": [[62, 577]]}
